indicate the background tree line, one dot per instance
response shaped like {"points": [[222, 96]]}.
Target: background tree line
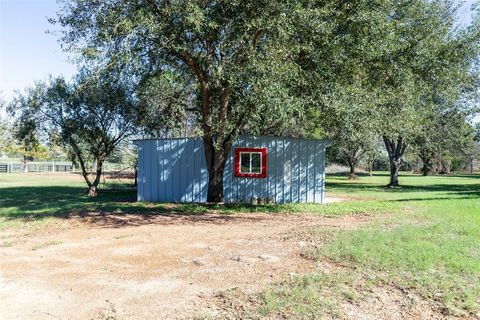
{"points": [[360, 73]]}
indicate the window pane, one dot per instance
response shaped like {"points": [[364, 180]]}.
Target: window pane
{"points": [[244, 162], [256, 163]]}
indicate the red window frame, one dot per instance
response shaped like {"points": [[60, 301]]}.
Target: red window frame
{"points": [[262, 151]]}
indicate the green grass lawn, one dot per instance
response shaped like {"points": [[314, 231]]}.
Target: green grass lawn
{"points": [[427, 242], [423, 237]]}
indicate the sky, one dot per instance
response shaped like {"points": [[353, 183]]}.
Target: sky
{"points": [[28, 53]]}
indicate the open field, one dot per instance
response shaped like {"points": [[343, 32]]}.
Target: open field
{"points": [[412, 253]]}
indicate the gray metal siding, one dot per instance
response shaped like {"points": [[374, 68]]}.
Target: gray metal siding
{"points": [[174, 170], [294, 171]]}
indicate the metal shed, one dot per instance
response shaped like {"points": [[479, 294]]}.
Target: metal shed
{"points": [[274, 169]]}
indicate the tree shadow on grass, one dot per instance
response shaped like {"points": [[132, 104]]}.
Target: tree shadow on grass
{"points": [[111, 208], [456, 196], [406, 193], [345, 174], [467, 188], [116, 208], [461, 175], [115, 220]]}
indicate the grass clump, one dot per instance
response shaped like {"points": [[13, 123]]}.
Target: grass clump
{"points": [[46, 245], [312, 296], [7, 244]]}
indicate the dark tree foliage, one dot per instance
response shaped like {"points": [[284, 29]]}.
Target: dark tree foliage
{"points": [[335, 69], [228, 61], [445, 132], [397, 61]]}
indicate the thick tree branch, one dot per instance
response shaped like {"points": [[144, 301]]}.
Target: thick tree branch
{"points": [[204, 91]]}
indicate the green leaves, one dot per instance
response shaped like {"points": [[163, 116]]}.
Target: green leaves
{"points": [[244, 46]]}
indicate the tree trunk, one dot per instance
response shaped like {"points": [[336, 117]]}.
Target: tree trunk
{"points": [[426, 167], [135, 182], [92, 186], [98, 175], [426, 158], [370, 167], [446, 167], [215, 186], [396, 150], [352, 175], [394, 166], [92, 191], [216, 160]]}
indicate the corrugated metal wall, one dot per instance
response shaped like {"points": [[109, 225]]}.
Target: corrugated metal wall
{"points": [[174, 170], [295, 171]]}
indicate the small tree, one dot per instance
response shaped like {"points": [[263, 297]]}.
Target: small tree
{"points": [[7, 141], [474, 155], [445, 134], [27, 142], [92, 116], [353, 130], [372, 155]]}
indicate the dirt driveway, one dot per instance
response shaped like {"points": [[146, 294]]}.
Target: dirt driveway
{"points": [[129, 267]]}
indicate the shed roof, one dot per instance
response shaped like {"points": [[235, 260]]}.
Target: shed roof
{"points": [[325, 141]]}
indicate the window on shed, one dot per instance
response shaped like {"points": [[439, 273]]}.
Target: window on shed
{"points": [[251, 162]]}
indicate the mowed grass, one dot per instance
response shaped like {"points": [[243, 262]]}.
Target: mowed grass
{"points": [[423, 237], [428, 245], [41, 196]]}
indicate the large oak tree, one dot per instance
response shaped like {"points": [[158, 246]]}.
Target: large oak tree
{"points": [[237, 53], [429, 65]]}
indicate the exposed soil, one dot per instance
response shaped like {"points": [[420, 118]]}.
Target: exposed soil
{"points": [[134, 267], [167, 267], [390, 303]]}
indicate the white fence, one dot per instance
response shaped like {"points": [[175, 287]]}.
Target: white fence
{"points": [[57, 166], [35, 167]]}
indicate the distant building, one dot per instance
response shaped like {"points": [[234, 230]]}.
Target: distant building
{"points": [[259, 169]]}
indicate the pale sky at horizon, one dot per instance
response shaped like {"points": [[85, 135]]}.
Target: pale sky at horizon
{"points": [[28, 53]]}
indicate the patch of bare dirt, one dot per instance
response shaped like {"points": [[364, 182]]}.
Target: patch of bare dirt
{"points": [[388, 303], [147, 267], [335, 199]]}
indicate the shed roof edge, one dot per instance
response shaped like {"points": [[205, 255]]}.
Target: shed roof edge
{"points": [[325, 141]]}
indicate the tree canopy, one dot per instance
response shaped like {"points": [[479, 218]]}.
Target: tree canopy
{"points": [[91, 116], [397, 62], [349, 71], [233, 59]]}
